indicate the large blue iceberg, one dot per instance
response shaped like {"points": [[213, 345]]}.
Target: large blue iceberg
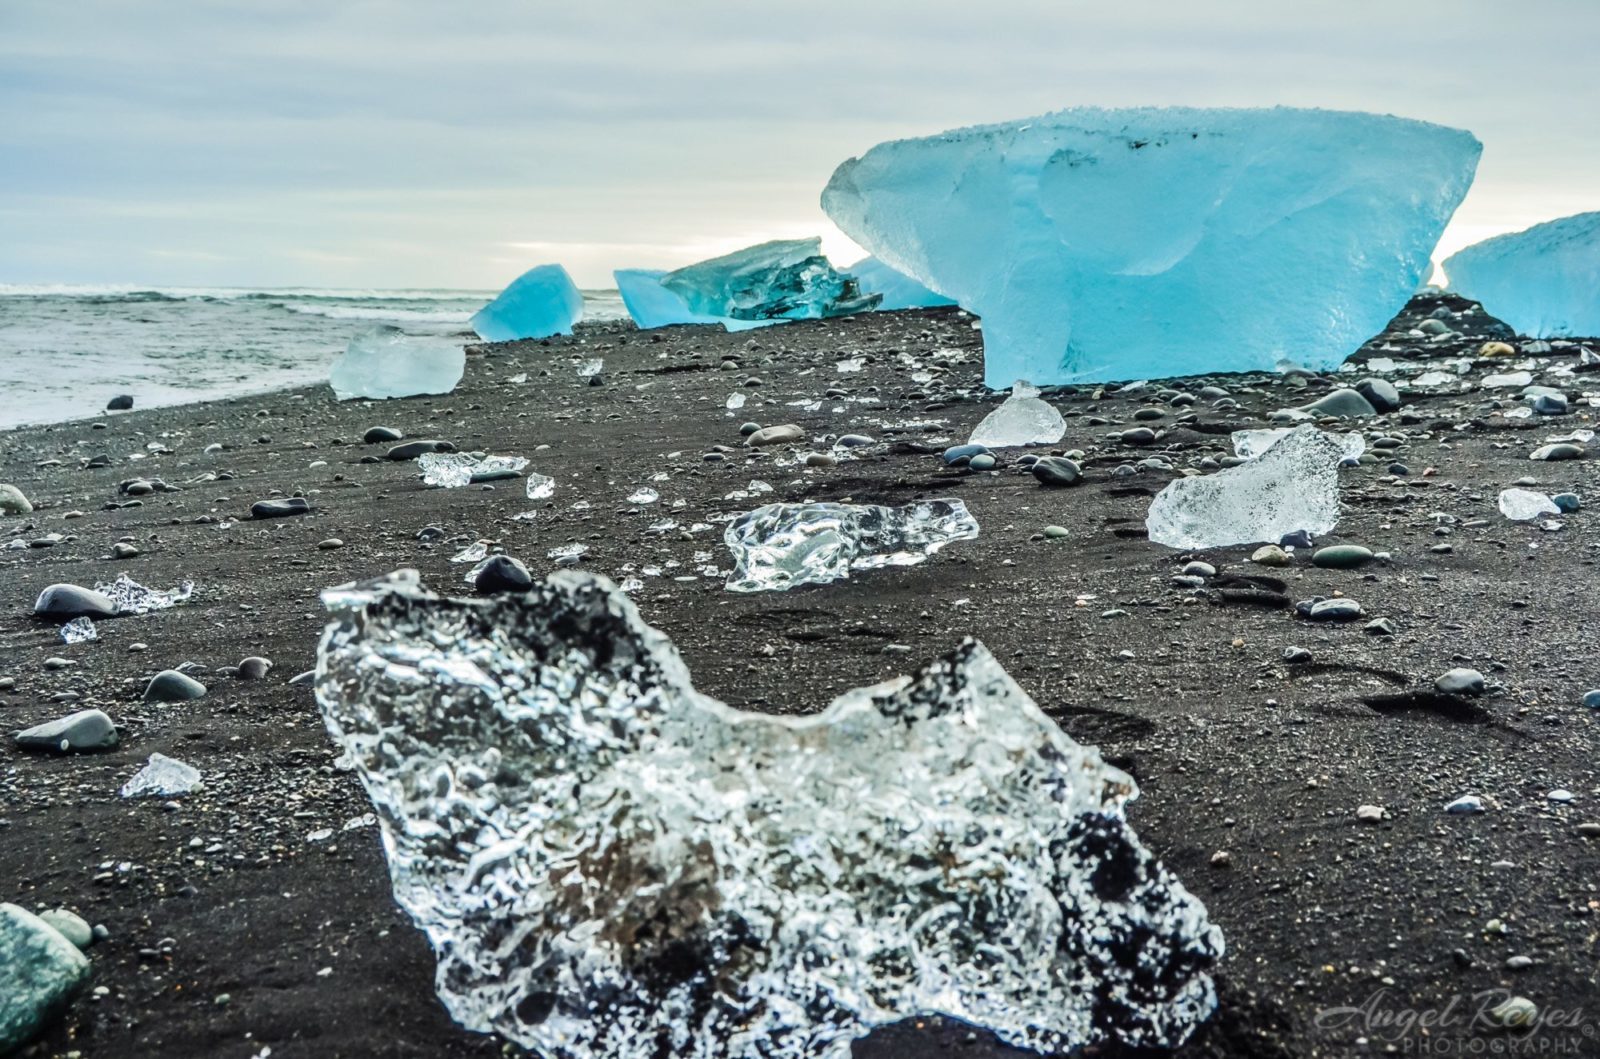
{"points": [[787, 279], [652, 305], [1544, 281], [541, 302], [899, 290], [1115, 244]]}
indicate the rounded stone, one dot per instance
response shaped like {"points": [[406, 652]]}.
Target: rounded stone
{"points": [[778, 435], [70, 925], [1139, 436], [1567, 502], [254, 668], [1199, 569], [12, 502], [1337, 609], [1056, 471], [412, 449], [1561, 450], [1342, 404], [42, 971], [1341, 556], [80, 733], [330, 544], [377, 435], [502, 573], [120, 403], [124, 550], [819, 459], [1381, 394], [957, 455], [169, 685], [853, 441], [1591, 699], [1460, 681], [746, 429], [63, 602], [293, 505], [983, 461], [1270, 555], [1056, 533]]}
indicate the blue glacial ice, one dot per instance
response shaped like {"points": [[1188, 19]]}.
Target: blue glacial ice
{"points": [[652, 305], [541, 302], [786, 278], [1544, 281], [899, 290], [386, 362], [1123, 244]]}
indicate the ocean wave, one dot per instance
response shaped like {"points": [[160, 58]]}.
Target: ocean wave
{"points": [[378, 312], [144, 292]]}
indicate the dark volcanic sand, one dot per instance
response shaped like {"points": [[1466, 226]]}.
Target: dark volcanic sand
{"points": [[1235, 750]]}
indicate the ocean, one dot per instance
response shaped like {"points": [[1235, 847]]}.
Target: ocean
{"points": [[67, 350]]}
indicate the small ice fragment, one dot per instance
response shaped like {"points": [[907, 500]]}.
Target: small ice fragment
{"points": [[78, 630], [1294, 485], [162, 777], [591, 367], [1525, 505], [779, 546], [1435, 378], [321, 834], [355, 823], [385, 362], [849, 365], [541, 302], [735, 400], [471, 576], [1022, 419], [643, 495], [1379, 365], [631, 584], [452, 470], [133, 598], [471, 553], [565, 816], [1248, 444], [1510, 378], [540, 486], [1541, 280], [568, 552]]}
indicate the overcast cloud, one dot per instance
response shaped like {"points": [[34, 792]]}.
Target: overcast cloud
{"points": [[421, 144]]}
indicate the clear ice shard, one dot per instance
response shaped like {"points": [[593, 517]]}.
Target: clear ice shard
{"points": [[1024, 418], [652, 305], [1248, 444], [541, 486], [1524, 505], [79, 630], [386, 362], [162, 777], [611, 865], [1124, 244], [899, 291], [541, 302], [452, 470], [133, 598], [1294, 485], [787, 279], [779, 546], [1544, 281]]}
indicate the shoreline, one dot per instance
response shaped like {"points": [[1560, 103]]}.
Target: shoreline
{"points": [[1237, 751]]}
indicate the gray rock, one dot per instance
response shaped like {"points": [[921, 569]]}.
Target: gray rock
{"points": [[12, 502], [1296, 655], [63, 602], [502, 573], [1460, 682], [1380, 394], [1139, 436], [82, 732], [412, 449], [1550, 404], [378, 435], [39, 972], [254, 668], [1341, 556], [1561, 450], [169, 685], [292, 505], [1343, 404], [1337, 609], [70, 925], [1199, 569], [1568, 502], [120, 403], [124, 550], [775, 435], [1379, 627], [1056, 471]]}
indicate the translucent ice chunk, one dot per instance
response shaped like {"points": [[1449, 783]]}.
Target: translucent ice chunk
{"points": [[590, 367], [1114, 244], [1510, 378], [471, 553], [78, 630], [735, 400], [652, 305], [1543, 281], [162, 777], [451, 470], [1248, 444], [899, 290], [386, 362], [1022, 419], [540, 486], [1525, 505], [787, 278], [133, 598], [541, 302], [643, 495], [611, 865], [1294, 485], [779, 546]]}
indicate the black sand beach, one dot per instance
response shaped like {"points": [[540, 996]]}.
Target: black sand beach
{"points": [[230, 932]]}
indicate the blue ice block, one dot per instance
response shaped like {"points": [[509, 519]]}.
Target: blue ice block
{"points": [[899, 290], [1544, 281], [539, 303], [786, 279]]}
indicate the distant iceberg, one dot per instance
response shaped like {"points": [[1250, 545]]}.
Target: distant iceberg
{"points": [[1543, 281], [652, 305], [386, 362], [899, 290], [786, 279], [541, 302], [1125, 244]]}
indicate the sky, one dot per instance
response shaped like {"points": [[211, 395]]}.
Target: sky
{"points": [[410, 143]]}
